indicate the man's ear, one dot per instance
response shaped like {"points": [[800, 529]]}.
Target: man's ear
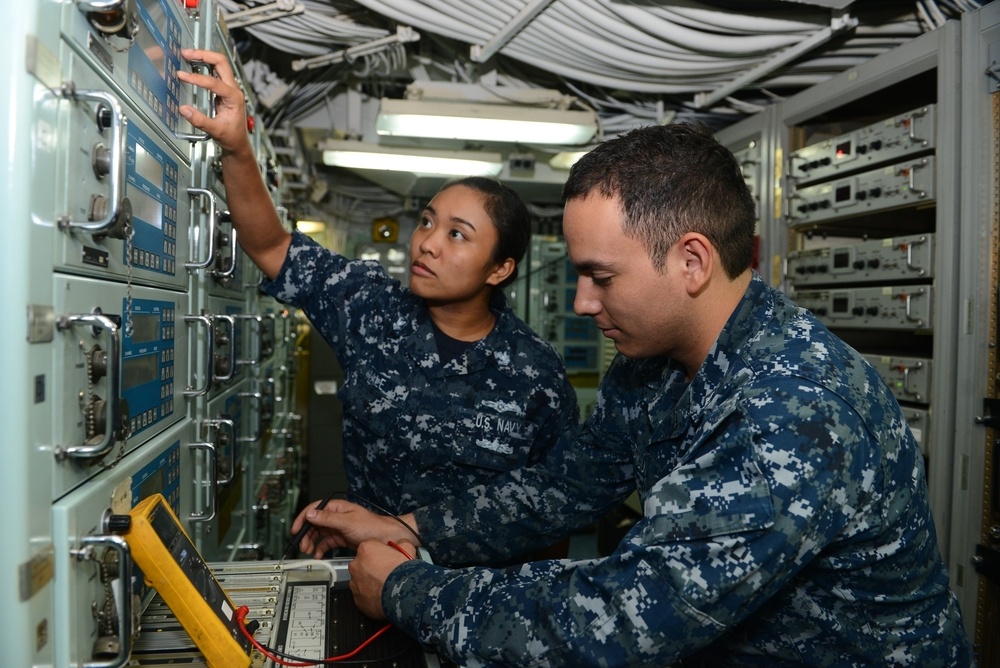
{"points": [[501, 272], [699, 261]]}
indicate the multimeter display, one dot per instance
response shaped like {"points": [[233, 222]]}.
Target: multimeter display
{"points": [[190, 562], [172, 566]]}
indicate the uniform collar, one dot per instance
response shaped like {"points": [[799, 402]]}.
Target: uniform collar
{"points": [[677, 404], [493, 350]]}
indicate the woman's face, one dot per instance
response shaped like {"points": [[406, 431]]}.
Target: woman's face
{"points": [[451, 250]]}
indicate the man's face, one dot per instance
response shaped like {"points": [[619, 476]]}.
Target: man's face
{"points": [[635, 306]]}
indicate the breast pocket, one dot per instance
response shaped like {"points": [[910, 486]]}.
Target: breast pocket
{"points": [[374, 399], [489, 440]]}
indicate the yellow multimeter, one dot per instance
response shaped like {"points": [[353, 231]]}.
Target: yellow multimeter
{"points": [[174, 568]]}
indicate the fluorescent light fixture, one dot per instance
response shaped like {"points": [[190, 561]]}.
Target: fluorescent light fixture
{"points": [[361, 155], [565, 159], [310, 226], [484, 122]]}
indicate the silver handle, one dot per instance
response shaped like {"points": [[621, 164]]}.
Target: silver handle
{"points": [[212, 483], [192, 391], [123, 599], [911, 131], [216, 424], [253, 361], [210, 255], [906, 380], [112, 404], [100, 6], [116, 185], [232, 347], [911, 173], [193, 137], [258, 431], [909, 255], [908, 297], [228, 273]]}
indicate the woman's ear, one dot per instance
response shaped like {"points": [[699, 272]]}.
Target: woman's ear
{"points": [[501, 272]]}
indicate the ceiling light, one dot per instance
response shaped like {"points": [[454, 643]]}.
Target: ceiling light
{"points": [[310, 226], [565, 159], [484, 122], [361, 155]]}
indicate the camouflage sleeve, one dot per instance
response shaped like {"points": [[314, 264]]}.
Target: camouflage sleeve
{"points": [[581, 477], [751, 502], [332, 290], [565, 416]]}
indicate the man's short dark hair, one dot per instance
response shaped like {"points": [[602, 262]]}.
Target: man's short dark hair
{"points": [[670, 180]]}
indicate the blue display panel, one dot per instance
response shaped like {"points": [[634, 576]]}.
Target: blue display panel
{"points": [[153, 61], [161, 475], [148, 362], [151, 187]]}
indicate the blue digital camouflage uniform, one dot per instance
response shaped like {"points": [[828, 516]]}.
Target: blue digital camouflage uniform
{"points": [[785, 522], [414, 431]]}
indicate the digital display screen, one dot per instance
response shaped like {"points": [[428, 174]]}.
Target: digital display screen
{"points": [[145, 327], [843, 149], [842, 193], [145, 208], [153, 50], [151, 485], [140, 370], [841, 259], [840, 304], [148, 167]]}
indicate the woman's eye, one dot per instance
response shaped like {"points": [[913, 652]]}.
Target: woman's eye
{"points": [[457, 234], [425, 222]]}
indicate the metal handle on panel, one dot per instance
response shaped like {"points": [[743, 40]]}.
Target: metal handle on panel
{"points": [[228, 273], [913, 126], [192, 391], [909, 254], [112, 405], [193, 137], [253, 361], [212, 482], [115, 186], [256, 396], [232, 347], [123, 599], [908, 298], [215, 424], [906, 380], [791, 195], [270, 414], [911, 173], [210, 255], [100, 6]]}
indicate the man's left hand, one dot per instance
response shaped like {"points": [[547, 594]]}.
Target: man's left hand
{"points": [[369, 570]]}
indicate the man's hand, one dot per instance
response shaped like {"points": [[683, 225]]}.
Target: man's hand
{"points": [[228, 126], [369, 570], [345, 524]]}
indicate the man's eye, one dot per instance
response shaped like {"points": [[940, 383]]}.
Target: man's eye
{"points": [[601, 281]]}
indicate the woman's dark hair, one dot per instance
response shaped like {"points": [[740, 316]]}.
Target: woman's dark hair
{"points": [[510, 218]]}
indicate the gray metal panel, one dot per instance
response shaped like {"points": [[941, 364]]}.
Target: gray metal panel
{"points": [[913, 57], [760, 128], [935, 53], [980, 36]]}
